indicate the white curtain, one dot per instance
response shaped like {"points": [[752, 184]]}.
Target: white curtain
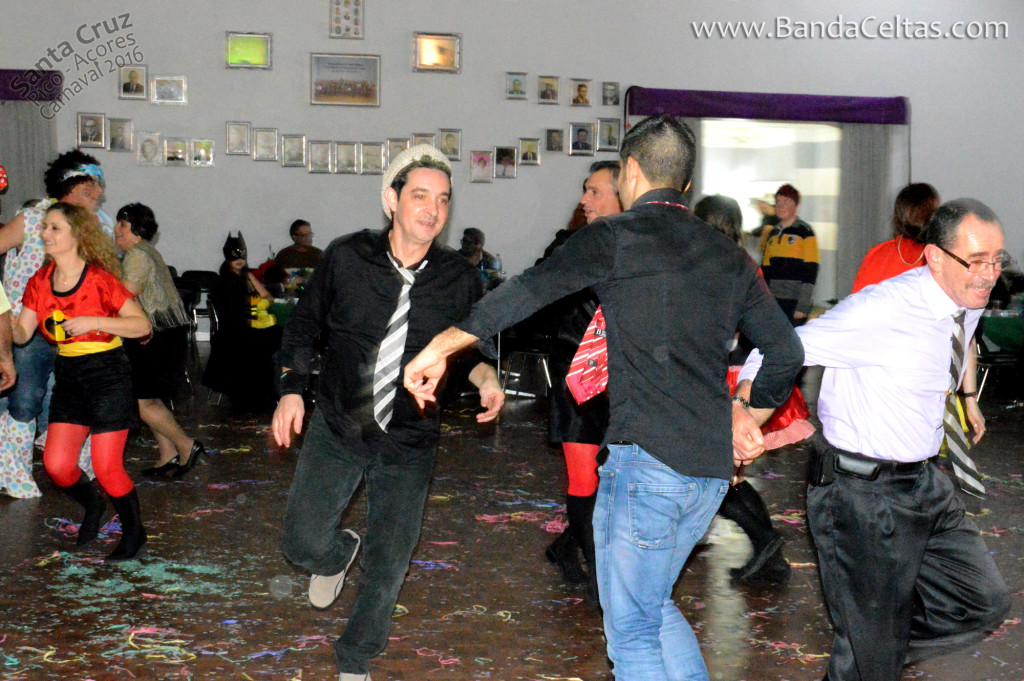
{"points": [[28, 142]]}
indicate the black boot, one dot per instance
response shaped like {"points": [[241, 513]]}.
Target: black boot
{"points": [[86, 494], [133, 536], [565, 553], [581, 522], [744, 506]]}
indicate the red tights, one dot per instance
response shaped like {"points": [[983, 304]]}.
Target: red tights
{"points": [[63, 444], [581, 460]]}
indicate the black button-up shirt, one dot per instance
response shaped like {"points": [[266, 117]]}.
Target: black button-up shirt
{"points": [[674, 292], [351, 295]]}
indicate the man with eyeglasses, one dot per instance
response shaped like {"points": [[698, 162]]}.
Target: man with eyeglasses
{"points": [[904, 570], [302, 253]]}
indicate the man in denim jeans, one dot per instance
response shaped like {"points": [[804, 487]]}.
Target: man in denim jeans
{"points": [[674, 291]]}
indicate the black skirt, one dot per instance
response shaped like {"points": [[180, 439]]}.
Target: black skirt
{"points": [[93, 390]]}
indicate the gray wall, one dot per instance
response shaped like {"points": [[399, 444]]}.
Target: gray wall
{"points": [[964, 94]]}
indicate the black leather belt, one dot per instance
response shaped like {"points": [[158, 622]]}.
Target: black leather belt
{"points": [[867, 468]]}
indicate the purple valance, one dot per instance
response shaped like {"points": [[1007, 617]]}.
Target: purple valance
{"points": [[642, 101], [19, 85]]}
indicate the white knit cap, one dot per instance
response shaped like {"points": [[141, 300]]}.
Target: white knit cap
{"points": [[403, 161]]}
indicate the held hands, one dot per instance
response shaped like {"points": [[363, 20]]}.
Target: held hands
{"points": [[287, 418], [422, 375], [747, 441]]}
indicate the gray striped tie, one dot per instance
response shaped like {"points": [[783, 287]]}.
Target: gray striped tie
{"points": [[389, 356], [956, 441]]}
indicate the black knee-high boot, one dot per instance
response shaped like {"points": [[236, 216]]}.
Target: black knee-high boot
{"points": [[744, 506], [133, 536], [565, 551], [86, 494], [581, 521]]}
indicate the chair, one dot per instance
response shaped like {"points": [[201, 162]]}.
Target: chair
{"points": [[989, 359], [190, 296], [205, 281]]}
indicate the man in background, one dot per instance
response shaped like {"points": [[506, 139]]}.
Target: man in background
{"points": [[302, 253]]}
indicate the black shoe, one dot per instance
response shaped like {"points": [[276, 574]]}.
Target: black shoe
{"points": [[564, 552], [169, 468], [85, 493], [193, 458], [767, 565], [133, 536]]}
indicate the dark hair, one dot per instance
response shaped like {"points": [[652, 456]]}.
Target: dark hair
{"points": [[722, 213], [296, 226], [473, 235], [612, 166], [789, 191], [664, 148], [945, 222], [913, 208], [422, 162], [56, 186], [140, 218]]}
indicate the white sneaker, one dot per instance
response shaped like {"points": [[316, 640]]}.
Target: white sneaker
{"points": [[345, 676], [325, 589]]}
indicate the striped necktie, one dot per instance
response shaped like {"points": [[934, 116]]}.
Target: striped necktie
{"points": [[389, 356], [956, 440]]}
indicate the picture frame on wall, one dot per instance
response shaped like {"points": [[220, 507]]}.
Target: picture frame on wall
{"points": [[439, 52], [609, 93], [120, 134], [344, 79], [450, 143], [321, 159], [149, 149], [481, 166], [237, 138], [249, 50], [394, 146], [547, 89], [293, 151], [169, 90], [529, 151], [346, 158], [264, 144], [582, 139], [175, 152], [92, 130], [424, 138], [200, 153], [554, 139], [608, 134], [506, 163], [371, 158], [132, 81], [579, 90], [347, 18], [515, 85]]}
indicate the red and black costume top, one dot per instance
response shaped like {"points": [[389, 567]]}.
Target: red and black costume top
{"points": [[98, 293]]}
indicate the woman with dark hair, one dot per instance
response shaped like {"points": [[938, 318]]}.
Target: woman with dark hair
{"points": [[722, 213], [75, 178], [158, 362], [78, 303], [910, 215]]}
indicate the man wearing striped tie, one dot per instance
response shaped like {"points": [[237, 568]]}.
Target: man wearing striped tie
{"points": [[378, 297], [905, 573]]}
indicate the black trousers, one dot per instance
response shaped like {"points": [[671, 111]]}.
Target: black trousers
{"points": [[905, 573]]}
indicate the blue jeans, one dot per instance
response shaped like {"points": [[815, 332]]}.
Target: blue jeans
{"points": [[30, 395], [328, 472], [647, 520]]}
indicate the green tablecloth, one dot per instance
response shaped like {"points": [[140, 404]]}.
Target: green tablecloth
{"points": [[282, 310], [1006, 332]]}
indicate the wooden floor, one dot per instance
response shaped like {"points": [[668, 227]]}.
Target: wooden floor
{"points": [[215, 599]]}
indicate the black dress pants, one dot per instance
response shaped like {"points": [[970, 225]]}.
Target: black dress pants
{"points": [[905, 573]]}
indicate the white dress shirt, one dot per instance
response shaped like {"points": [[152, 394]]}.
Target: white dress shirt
{"points": [[887, 353]]}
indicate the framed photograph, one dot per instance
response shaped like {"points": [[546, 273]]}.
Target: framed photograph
{"points": [[92, 130], [609, 93], [481, 166], [131, 82], [515, 85], [529, 151], [169, 90], [371, 158], [320, 158], [346, 19], [581, 139], [554, 139], [580, 90], [424, 138], [249, 51], [547, 89], [236, 134], [264, 144], [344, 79], [200, 153], [395, 146], [438, 52], [149, 150], [346, 157], [175, 152], [120, 134], [293, 151], [608, 134], [506, 162], [450, 143]]}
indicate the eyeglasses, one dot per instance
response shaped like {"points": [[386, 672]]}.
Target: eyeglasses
{"points": [[978, 266]]}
